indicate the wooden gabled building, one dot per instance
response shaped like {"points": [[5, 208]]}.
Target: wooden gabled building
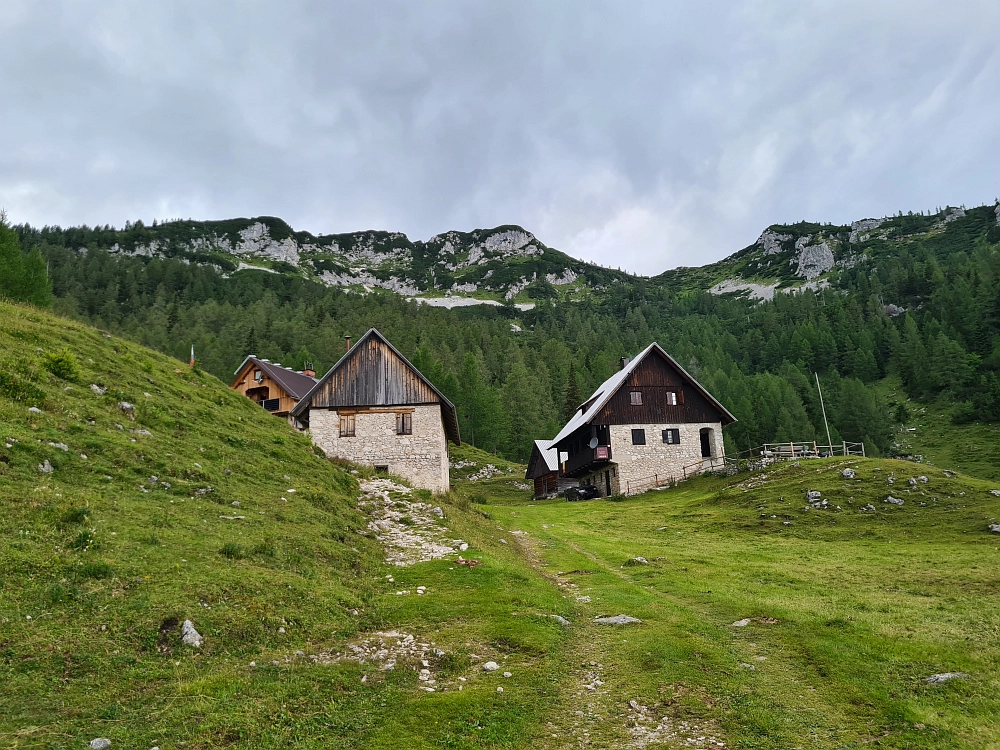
{"points": [[649, 423], [543, 470], [277, 389], [373, 407]]}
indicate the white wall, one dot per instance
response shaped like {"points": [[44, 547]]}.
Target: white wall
{"points": [[656, 458], [421, 458]]}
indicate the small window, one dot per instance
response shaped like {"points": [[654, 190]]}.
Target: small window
{"points": [[672, 436], [671, 399], [258, 375], [636, 397], [381, 469], [347, 425], [404, 424], [638, 437]]}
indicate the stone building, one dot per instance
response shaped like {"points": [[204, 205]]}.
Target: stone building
{"points": [[648, 424], [373, 407]]}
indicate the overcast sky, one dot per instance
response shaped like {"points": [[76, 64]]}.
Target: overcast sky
{"points": [[642, 134]]}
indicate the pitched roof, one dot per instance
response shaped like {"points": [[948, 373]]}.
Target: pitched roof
{"points": [[608, 388], [448, 413], [543, 455], [295, 384]]}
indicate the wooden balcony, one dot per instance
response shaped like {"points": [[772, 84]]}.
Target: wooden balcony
{"points": [[586, 460]]}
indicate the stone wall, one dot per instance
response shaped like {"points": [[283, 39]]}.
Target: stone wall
{"points": [[656, 458], [421, 458]]}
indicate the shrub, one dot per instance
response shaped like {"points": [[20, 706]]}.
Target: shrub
{"points": [[16, 389], [97, 569], [232, 550], [62, 364], [75, 516], [84, 541]]}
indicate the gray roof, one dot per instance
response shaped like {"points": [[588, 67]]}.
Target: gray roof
{"points": [[295, 384], [607, 389]]}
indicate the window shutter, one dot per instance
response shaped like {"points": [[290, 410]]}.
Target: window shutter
{"points": [[680, 396]]}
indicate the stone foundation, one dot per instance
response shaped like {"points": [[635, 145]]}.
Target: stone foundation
{"points": [[420, 458]]}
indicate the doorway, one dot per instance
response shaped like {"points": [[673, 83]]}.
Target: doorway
{"points": [[607, 483], [706, 442]]}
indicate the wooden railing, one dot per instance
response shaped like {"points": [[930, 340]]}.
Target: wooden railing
{"points": [[588, 456]]}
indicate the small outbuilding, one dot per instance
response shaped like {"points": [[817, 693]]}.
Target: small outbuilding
{"points": [[543, 469], [277, 389], [373, 407]]}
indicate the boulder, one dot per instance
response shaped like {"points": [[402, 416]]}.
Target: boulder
{"points": [[848, 473], [893, 500], [563, 621], [190, 636], [491, 666], [937, 679], [100, 743], [995, 528], [813, 496], [741, 623], [617, 620]]}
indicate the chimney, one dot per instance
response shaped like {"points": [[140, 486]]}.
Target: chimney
{"points": [[309, 370], [348, 340], [623, 362]]}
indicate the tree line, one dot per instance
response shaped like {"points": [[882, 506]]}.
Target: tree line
{"points": [[514, 376]]}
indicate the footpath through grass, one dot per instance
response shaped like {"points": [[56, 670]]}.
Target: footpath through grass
{"points": [[848, 610]]}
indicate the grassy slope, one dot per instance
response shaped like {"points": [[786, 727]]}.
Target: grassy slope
{"points": [[971, 448], [92, 660], [866, 604]]}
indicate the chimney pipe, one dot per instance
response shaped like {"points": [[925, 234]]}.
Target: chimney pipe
{"points": [[309, 370], [623, 362], [348, 339]]}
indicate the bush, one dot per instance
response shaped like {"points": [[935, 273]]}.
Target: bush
{"points": [[16, 389], [62, 364], [98, 569], [233, 551]]}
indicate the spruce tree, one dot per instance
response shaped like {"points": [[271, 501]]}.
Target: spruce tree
{"points": [[11, 262], [573, 397]]}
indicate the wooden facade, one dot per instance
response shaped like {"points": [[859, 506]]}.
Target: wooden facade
{"points": [[277, 389], [374, 375], [666, 397]]}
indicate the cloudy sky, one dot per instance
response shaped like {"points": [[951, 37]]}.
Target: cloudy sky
{"points": [[645, 135]]}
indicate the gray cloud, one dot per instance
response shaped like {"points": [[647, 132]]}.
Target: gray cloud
{"points": [[644, 135]]}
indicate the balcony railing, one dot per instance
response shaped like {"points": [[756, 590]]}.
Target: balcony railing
{"points": [[585, 460], [271, 404]]}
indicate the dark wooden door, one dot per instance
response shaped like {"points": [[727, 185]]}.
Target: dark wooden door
{"points": [[607, 483], [706, 447]]}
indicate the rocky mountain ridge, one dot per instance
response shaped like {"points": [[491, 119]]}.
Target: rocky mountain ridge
{"points": [[508, 264]]}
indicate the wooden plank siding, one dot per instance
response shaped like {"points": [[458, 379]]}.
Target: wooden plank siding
{"points": [[373, 375], [655, 378], [246, 383]]}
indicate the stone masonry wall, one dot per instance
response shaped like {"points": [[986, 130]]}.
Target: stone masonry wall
{"points": [[637, 462], [421, 458]]}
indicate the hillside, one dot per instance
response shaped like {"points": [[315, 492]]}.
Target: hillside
{"points": [[912, 297]]}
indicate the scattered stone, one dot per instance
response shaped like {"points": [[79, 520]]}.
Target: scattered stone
{"points": [[639, 561], [34, 410], [912, 481], [100, 743], [923, 479], [236, 504], [499, 689], [995, 493], [127, 409], [281, 630], [995, 528], [937, 679], [438, 512], [468, 563], [60, 446], [741, 623], [848, 474], [893, 500], [98, 389], [617, 620], [46, 467], [491, 666], [563, 621], [190, 636], [507, 674], [747, 666], [585, 599], [813, 496], [407, 528]]}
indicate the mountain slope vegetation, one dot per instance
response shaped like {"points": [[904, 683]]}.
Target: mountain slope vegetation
{"points": [[912, 296]]}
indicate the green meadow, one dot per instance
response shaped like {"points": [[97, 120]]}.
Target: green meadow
{"points": [[182, 508]]}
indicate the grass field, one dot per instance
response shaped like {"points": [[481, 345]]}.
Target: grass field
{"points": [[848, 609]]}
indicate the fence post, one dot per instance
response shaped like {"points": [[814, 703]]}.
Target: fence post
{"points": [[863, 451]]}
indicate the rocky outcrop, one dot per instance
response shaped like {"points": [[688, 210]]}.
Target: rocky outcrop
{"points": [[861, 230], [771, 241], [812, 259]]}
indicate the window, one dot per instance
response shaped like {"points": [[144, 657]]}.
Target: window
{"points": [[271, 404], [404, 423], [636, 397], [347, 425], [258, 376], [672, 436], [381, 469], [638, 437], [671, 400]]}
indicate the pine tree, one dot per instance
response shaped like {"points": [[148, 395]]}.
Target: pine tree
{"points": [[11, 262], [573, 396], [250, 345]]}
